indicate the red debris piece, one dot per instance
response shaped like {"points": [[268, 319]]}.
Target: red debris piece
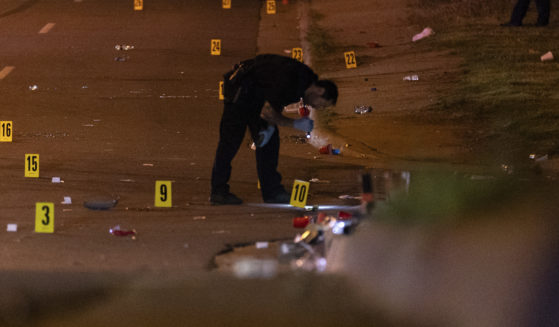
{"points": [[301, 222], [342, 215]]}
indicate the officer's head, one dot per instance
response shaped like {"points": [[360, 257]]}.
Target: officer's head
{"points": [[321, 94]]}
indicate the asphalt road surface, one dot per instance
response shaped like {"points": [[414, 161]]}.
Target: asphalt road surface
{"points": [[111, 123]]}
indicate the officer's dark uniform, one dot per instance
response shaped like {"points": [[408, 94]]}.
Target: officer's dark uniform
{"points": [[521, 8], [280, 81]]}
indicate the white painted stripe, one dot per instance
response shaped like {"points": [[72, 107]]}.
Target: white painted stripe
{"points": [[5, 71], [46, 28]]}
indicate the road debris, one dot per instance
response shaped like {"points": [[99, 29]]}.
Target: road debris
{"points": [[427, 31], [318, 181], [100, 203], [327, 149], [11, 228], [124, 47], [362, 109], [349, 197], [117, 231], [261, 245], [411, 78], [67, 200], [548, 56]]}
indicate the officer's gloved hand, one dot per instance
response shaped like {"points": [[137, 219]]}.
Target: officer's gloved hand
{"points": [[265, 135], [303, 124]]}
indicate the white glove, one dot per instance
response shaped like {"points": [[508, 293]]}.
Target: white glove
{"points": [[303, 124], [265, 136]]}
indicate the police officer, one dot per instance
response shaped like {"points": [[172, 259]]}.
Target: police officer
{"points": [[521, 8], [256, 91]]}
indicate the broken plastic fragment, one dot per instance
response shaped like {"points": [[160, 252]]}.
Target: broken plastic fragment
{"points": [[427, 31], [547, 56], [362, 109], [11, 228], [261, 245], [117, 231]]}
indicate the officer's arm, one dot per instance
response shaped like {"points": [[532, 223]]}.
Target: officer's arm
{"points": [[273, 117]]}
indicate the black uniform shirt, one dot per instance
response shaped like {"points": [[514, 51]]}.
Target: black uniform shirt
{"points": [[279, 80]]}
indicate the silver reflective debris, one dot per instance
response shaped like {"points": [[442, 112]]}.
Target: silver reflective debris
{"points": [[362, 109]]}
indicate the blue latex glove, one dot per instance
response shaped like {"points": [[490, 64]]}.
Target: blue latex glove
{"points": [[265, 135], [304, 124]]}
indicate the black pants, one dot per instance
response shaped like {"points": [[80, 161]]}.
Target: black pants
{"points": [[234, 122], [521, 8]]}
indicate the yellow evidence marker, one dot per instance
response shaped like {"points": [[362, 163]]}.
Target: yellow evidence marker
{"points": [[215, 48], [138, 4], [350, 61], [270, 7], [44, 217], [6, 129], [221, 96], [226, 4], [297, 53], [32, 165], [299, 193], [163, 196]]}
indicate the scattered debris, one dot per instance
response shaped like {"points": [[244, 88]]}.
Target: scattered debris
{"points": [[427, 31], [362, 109], [349, 197], [261, 245], [411, 78], [199, 218], [117, 231], [318, 181], [128, 180], [124, 47], [147, 165], [327, 149], [33, 87], [11, 228], [57, 180], [100, 203], [301, 222], [547, 56], [67, 200]]}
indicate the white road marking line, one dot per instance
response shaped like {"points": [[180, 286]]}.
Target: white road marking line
{"points": [[46, 28], [5, 71]]}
